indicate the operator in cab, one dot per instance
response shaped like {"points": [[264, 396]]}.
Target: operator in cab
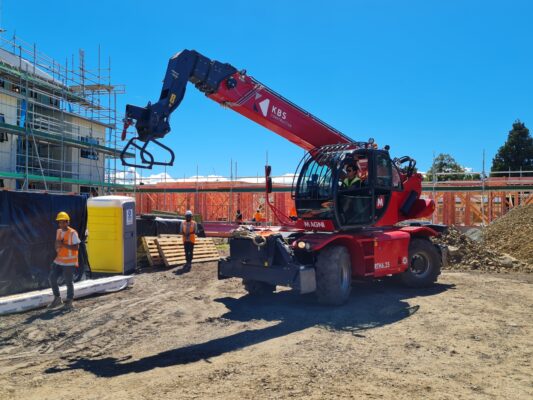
{"points": [[351, 179], [354, 201], [356, 174]]}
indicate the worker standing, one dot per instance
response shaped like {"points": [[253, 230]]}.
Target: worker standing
{"points": [[189, 230], [66, 245], [293, 215], [258, 217], [238, 217]]}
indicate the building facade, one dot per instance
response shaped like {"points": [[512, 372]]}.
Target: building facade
{"points": [[57, 123]]}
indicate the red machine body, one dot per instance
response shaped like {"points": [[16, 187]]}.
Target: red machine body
{"points": [[344, 232]]}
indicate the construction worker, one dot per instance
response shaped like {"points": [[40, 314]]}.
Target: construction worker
{"points": [[238, 217], [352, 177], [293, 215], [67, 244], [258, 217], [189, 230]]}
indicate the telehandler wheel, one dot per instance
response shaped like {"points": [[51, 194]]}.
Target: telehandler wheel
{"points": [[424, 264], [333, 276], [257, 288]]}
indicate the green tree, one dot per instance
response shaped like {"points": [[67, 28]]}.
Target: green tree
{"points": [[517, 152], [445, 164]]}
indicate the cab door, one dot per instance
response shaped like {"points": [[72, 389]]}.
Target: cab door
{"points": [[365, 203], [383, 183]]}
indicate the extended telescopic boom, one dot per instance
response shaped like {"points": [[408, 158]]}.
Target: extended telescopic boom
{"points": [[231, 88]]}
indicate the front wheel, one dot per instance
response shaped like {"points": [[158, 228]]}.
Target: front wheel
{"points": [[424, 264], [333, 276]]}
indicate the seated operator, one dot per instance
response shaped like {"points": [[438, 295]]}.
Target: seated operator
{"points": [[353, 178], [355, 209]]}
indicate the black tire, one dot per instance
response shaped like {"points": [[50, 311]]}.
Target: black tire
{"points": [[424, 264], [257, 288], [333, 276]]}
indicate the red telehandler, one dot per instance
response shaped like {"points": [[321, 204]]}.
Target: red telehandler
{"points": [[344, 231]]}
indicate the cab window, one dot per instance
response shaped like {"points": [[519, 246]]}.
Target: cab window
{"points": [[383, 171]]}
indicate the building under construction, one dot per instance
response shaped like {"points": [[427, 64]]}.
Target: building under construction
{"points": [[57, 122], [469, 202]]}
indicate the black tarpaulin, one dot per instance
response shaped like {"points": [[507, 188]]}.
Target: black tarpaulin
{"points": [[154, 226], [27, 236]]}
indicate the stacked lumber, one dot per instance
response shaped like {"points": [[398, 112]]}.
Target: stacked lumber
{"points": [[173, 253], [168, 250]]}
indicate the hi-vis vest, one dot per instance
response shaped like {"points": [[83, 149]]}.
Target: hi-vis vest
{"points": [[347, 182], [66, 256], [188, 230]]}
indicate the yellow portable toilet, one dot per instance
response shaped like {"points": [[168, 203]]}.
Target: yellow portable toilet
{"points": [[112, 241]]}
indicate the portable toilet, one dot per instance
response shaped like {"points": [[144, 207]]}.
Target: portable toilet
{"points": [[112, 240]]}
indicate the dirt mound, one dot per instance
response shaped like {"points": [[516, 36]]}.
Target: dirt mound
{"points": [[512, 234], [466, 254]]}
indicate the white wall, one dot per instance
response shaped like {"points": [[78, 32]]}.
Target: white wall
{"points": [[87, 169], [8, 107]]}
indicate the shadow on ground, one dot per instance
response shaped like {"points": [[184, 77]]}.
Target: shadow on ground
{"points": [[372, 304]]}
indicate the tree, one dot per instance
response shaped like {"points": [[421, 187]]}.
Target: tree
{"points": [[446, 164], [517, 152]]}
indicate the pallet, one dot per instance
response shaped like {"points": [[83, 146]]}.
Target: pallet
{"points": [[173, 253], [152, 251]]}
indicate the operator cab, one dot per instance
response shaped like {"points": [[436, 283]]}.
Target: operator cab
{"points": [[349, 184]]}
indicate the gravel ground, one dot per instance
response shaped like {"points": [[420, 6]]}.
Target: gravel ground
{"points": [[190, 336]]}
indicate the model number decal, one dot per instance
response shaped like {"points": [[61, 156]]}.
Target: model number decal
{"points": [[314, 224], [383, 265]]}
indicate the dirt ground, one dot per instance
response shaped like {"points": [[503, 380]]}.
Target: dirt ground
{"points": [[191, 336]]}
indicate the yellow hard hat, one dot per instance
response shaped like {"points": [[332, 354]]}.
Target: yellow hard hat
{"points": [[62, 216]]}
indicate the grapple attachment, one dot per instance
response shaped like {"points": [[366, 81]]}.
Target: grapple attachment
{"points": [[152, 121]]}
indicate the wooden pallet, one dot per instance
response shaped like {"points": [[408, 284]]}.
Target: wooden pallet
{"points": [[172, 251], [152, 251]]}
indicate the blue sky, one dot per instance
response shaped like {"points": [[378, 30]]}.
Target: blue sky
{"points": [[421, 76]]}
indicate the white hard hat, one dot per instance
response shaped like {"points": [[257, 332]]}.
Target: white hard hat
{"points": [[188, 212]]}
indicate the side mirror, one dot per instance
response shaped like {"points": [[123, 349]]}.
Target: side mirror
{"points": [[269, 184], [268, 170]]}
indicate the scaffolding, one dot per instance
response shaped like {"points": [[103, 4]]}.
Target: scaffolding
{"points": [[58, 121]]}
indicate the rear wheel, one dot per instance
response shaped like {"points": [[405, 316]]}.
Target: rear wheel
{"points": [[257, 288], [333, 275], [424, 264]]}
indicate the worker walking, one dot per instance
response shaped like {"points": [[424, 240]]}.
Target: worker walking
{"points": [[189, 230], [66, 245]]}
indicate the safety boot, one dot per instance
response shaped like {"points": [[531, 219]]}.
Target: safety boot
{"points": [[68, 305], [55, 303]]}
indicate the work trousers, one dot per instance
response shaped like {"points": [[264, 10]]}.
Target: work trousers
{"points": [[67, 271], [189, 249]]}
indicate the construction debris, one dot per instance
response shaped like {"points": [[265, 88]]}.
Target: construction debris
{"points": [[40, 298], [513, 233], [467, 254]]}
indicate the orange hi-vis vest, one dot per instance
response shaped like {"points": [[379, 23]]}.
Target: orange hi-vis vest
{"points": [[188, 231], [66, 256]]}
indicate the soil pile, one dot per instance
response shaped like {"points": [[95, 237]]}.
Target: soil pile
{"points": [[466, 254], [513, 233]]}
